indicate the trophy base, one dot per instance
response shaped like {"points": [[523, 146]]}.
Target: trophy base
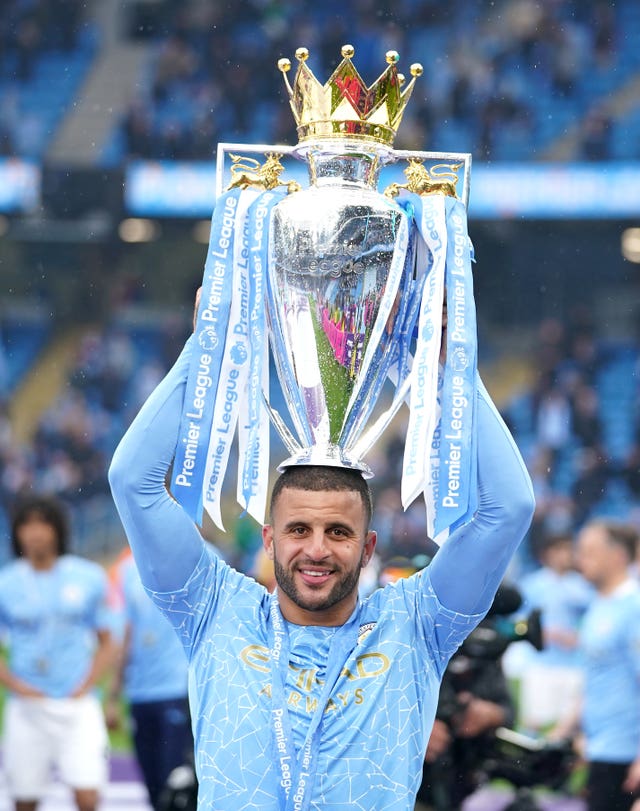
{"points": [[326, 456]]}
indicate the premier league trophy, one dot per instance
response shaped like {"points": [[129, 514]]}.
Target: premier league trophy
{"points": [[347, 286]]}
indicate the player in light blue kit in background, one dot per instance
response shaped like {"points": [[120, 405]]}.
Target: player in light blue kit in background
{"points": [[609, 715], [311, 698], [54, 616], [552, 677], [152, 675]]}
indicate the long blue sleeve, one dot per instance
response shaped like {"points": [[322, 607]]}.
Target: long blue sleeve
{"points": [[165, 542], [467, 570], [167, 545]]}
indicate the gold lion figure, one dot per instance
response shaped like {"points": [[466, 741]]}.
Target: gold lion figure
{"points": [[249, 172], [422, 181]]}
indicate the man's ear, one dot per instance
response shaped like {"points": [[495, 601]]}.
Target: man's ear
{"points": [[267, 540], [369, 547]]}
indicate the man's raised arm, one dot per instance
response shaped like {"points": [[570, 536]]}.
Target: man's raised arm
{"points": [[467, 570], [165, 542]]}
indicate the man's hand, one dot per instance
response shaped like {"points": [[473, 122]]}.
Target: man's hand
{"points": [[632, 780], [478, 716], [27, 691], [439, 741], [112, 713], [16, 685]]}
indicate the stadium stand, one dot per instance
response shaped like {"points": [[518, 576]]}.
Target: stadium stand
{"points": [[508, 81], [46, 52]]}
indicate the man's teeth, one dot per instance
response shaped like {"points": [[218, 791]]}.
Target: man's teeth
{"points": [[314, 573]]}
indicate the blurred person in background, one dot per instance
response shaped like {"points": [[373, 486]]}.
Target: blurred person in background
{"points": [[152, 675], [54, 617], [551, 678], [609, 642]]}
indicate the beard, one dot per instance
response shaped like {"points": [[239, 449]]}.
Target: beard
{"points": [[346, 583]]}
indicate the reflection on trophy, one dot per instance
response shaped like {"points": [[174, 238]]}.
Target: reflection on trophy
{"points": [[348, 283]]}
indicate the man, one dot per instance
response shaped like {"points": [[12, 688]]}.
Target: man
{"points": [[610, 646], [311, 698], [53, 613], [152, 673], [551, 678]]}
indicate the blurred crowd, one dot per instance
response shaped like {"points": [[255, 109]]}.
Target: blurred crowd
{"points": [[74, 439], [502, 79], [581, 426], [577, 422], [29, 30], [490, 71]]}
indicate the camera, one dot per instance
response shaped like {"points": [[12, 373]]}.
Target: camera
{"points": [[526, 761], [475, 670]]}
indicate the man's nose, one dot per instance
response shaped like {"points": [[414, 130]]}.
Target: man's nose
{"points": [[317, 545]]}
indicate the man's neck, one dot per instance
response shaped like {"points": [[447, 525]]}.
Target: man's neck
{"points": [[326, 618], [613, 583], [43, 563]]}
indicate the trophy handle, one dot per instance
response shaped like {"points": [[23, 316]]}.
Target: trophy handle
{"points": [[281, 427], [437, 160], [376, 429]]}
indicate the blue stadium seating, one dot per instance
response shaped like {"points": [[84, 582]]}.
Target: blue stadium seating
{"points": [[22, 339], [42, 100]]}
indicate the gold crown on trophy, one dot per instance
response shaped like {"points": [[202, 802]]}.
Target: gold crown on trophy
{"points": [[345, 107]]}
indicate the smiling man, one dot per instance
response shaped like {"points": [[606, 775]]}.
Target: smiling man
{"points": [[319, 541], [311, 697]]}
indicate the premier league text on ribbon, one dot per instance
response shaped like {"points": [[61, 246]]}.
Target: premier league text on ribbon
{"points": [[203, 382], [457, 327], [224, 426], [260, 215], [210, 311]]}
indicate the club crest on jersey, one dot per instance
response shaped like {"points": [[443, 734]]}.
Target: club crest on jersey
{"points": [[365, 630]]}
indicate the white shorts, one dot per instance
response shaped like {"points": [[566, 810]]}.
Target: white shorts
{"points": [[40, 734], [548, 694]]}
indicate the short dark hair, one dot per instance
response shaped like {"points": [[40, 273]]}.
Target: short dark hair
{"points": [[46, 509], [551, 540], [320, 477], [619, 534]]}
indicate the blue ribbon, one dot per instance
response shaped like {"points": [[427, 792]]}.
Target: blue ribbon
{"points": [[204, 371], [259, 222], [298, 769], [457, 477]]}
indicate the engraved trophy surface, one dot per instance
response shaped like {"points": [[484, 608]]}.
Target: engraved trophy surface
{"points": [[333, 245]]}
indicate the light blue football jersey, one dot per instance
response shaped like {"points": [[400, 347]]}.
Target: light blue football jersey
{"points": [[610, 644], [50, 619], [376, 724], [156, 667]]}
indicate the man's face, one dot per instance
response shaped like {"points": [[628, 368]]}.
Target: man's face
{"points": [[318, 542], [37, 540], [560, 556], [595, 555]]}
